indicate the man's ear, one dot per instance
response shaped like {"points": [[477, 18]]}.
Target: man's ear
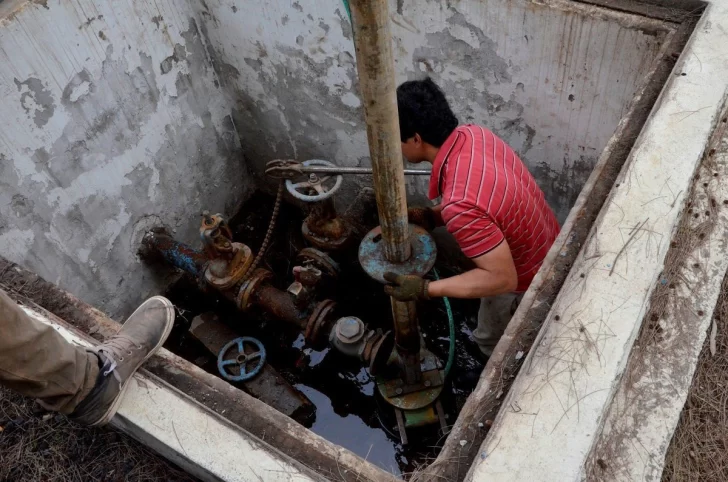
{"points": [[418, 139]]}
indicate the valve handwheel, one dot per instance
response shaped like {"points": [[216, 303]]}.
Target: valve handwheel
{"points": [[323, 186], [241, 358]]}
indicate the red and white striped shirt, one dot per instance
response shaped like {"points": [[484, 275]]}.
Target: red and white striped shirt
{"points": [[488, 195]]}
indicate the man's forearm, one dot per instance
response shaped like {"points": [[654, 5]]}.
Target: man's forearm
{"points": [[476, 283]]}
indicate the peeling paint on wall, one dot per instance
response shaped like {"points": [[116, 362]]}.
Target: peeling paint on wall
{"points": [[36, 100], [138, 110], [104, 133], [551, 81]]}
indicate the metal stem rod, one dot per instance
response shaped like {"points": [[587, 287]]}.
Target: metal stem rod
{"points": [[375, 65], [356, 170]]}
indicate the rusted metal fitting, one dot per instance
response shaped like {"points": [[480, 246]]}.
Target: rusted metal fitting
{"points": [[229, 261], [332, 236], [347, 334], [303, 289], [320, 260], [325, 229], [351, 337], [367, 346], [223, 274], [349, 329], [373, 260], [318, 321], [244, 297], [414, 396], [158, 242], [308, 276], [377, 351], [216, 236]]}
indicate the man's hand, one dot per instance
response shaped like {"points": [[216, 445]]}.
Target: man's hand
{"points": [[424, 217], [407, 287]]}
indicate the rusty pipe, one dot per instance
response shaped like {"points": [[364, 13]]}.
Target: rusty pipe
{"points": [[407, 339], [182, 256], [179, 255], [280, 304], [375, 65]]}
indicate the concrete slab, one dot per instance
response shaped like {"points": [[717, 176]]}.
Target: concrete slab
{"points": [[646, 409], [557, 405], [189, 434]]}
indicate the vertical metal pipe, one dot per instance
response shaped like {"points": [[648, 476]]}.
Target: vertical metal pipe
{"points": [[375, 64], [407, 340]]}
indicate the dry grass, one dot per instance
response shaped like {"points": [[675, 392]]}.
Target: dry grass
{"points": [[699, 448], [50, 448]]}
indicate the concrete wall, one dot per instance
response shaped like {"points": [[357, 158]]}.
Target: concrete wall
{"points": [[113, 120], [122, 115], [552, 78]]}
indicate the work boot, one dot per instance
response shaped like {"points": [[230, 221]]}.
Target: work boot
{"points": [[122, 355]]}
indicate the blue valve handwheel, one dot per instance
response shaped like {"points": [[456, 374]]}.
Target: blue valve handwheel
{"points": [[241, 359]]}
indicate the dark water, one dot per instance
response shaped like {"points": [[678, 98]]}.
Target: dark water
{"points": [[349, 412]]}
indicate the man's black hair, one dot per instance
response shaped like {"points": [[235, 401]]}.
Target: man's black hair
{"points": [[423, 110]]}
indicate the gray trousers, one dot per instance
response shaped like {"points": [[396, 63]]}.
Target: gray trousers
{"points": [[493, 317], [37, 362]]}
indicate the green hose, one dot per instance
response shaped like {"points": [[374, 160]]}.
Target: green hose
{"points": [[451, 322], [348, 8]]}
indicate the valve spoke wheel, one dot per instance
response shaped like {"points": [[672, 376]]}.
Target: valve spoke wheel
{"points": [[236, 363], [316, 188]]}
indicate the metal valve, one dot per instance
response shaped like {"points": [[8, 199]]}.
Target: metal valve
{"points": [[317, 187], [245, 364]]}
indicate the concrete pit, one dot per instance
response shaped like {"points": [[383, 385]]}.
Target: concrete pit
{"points": [[141, 116]]}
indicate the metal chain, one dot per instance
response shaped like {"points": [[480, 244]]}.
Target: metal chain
{"points": [[268, 234]]}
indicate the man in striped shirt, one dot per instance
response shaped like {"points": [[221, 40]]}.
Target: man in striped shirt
{"points": [[489, 202]]}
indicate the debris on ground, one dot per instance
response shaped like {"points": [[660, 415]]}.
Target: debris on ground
{"points": [[699, 447], [35, 445]]}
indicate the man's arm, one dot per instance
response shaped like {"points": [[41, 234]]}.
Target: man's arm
{"points": [[494, 274]]}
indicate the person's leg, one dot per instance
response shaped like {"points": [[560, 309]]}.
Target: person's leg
{"points": [[493, 317], [142, 334], [37, 362], [87, 384]]}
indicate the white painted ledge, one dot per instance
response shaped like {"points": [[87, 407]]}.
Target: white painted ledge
{"points": [[646, 409], [556, 408], [190, 435]]}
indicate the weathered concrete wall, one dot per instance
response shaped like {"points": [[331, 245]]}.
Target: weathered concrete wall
{"points": [[552, 78], [113, 120]]}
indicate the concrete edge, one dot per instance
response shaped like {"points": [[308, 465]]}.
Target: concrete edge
{"points": [[646, 409], [558, 401], [186, 432], [634, 18], [649, 8]]}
